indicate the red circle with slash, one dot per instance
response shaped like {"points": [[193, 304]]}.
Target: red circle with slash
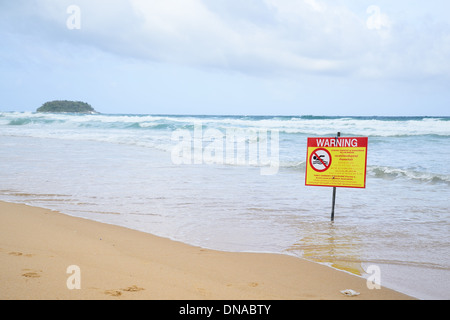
{"points": [[320, 160]]}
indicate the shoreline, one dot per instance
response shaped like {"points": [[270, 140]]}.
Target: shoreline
{"points": [[38, 246]]}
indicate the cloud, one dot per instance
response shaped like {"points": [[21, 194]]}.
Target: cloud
{"points": [[264, 37], [270, 37]]}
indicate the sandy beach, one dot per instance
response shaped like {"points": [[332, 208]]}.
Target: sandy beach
{"points": [[38, 247]]}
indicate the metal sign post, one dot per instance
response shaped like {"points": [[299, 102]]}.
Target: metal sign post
{"points": [[334, 188], [332, 205]]}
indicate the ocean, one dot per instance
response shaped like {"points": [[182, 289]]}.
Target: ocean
{"points": [[237, 183]]}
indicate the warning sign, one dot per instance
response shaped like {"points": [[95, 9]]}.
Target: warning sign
{"points": [[336, 162]]}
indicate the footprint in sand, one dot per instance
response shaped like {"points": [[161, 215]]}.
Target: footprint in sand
{"points": [[133, 288], [203, 291], [250, 284], [31, 274], [20, 254], [118, 293], [114, 293]]}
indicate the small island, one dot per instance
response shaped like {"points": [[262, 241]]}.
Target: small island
{"points": [[64, 106]]}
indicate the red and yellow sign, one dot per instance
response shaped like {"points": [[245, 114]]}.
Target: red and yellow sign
{"points": [[336, 162]]}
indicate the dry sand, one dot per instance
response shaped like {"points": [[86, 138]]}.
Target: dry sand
{"points": [[37, 246]]}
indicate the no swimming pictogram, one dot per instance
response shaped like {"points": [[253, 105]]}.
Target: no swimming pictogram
{"points": [[320, 160]]}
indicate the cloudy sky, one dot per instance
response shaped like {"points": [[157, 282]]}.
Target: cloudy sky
{"points": [[264, 57]]}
